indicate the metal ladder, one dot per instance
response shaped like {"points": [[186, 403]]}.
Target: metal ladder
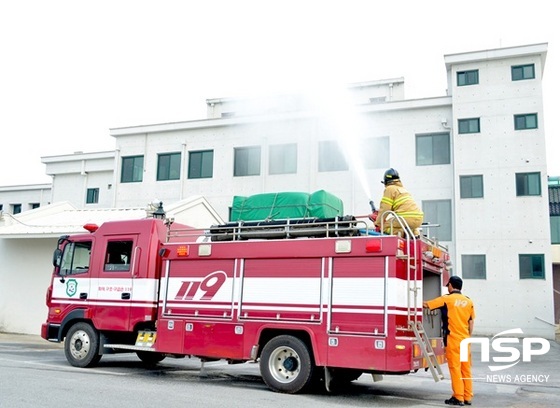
{"points": [[427, 350], [411, 258], [416, 325]]}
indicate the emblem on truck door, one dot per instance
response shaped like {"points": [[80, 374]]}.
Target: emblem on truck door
{"points": [[203, 289], [71, 287]]}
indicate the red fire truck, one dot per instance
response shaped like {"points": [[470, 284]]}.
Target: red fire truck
{"points": [[313, 301]]}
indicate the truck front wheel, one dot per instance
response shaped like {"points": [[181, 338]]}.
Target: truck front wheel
{"points": [[81, 346], [286, 364]]}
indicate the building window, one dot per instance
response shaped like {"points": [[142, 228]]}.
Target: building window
{"points": [[438, 212], [528, 184], [471, 186], [526, 121], [433, 149], [473, 266], [331, 157], [282, 159], [247, 161], [92, 196], [375, 154], [201, 164], [467, 77], [531, 266], [34, 205], [554, 229], [469, 125], [132, 169], [169, 166], [16, 208], [520, 72], [1, 207]]}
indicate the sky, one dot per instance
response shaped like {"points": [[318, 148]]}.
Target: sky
{"points": [[72, 70]]}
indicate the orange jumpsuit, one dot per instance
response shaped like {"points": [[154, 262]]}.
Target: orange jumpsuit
{"points": [[460, 310], [396, 198]]}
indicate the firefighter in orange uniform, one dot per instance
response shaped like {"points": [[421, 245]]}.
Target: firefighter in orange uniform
{"points": [[460, 321], [396, 198]]}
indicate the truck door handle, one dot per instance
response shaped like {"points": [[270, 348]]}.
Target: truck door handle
{"points": [[125, 296], [83, 295]]}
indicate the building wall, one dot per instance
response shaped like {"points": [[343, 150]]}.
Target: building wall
{"points": [[24, 195], [25, 274], [74, 174], [502, 225], [355, 186]]}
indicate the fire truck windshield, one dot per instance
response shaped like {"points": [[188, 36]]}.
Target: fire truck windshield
{"points": [[75, 258]]}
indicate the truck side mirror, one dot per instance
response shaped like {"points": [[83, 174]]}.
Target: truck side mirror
{"points": [[57, 257]]}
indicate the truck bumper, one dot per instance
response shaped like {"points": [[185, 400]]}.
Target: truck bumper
{"points": [[51, 332]]}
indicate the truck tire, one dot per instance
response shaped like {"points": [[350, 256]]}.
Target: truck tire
{"points": [[150, 358], [286, 364], [81, 346]]}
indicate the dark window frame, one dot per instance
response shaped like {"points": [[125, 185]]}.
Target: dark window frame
{"points": [[247, 161], [555, 229], [468, 77], [468, 125], [92, 196], [524, 121], [201, 164], [531, 266], [522, 72], [524, 186], [166, 166], [473, 266], [439, 212], [133, 172], [469, 186], [16, 208], [282, 158], [436, 156]]}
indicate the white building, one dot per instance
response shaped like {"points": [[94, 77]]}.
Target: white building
{"points": [[16, 199], [474, 158], [83, 179]]}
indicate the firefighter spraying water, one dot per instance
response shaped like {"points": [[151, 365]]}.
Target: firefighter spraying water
{"points": [[397, 200]]}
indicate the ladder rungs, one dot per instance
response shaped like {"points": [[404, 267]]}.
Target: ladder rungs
{"points": [[427, 350]]}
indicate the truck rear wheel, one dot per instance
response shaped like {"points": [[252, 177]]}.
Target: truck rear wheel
{"points": [[286, 364], [81, 346]]}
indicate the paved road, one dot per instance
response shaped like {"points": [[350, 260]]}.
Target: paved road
{"points": [[34, 372]]}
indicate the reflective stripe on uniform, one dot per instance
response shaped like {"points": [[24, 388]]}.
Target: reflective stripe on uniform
{"points": [[388, 201], [410, 214]]}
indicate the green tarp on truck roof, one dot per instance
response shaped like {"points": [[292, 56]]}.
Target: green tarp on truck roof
{"points": [[286, 205]]}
